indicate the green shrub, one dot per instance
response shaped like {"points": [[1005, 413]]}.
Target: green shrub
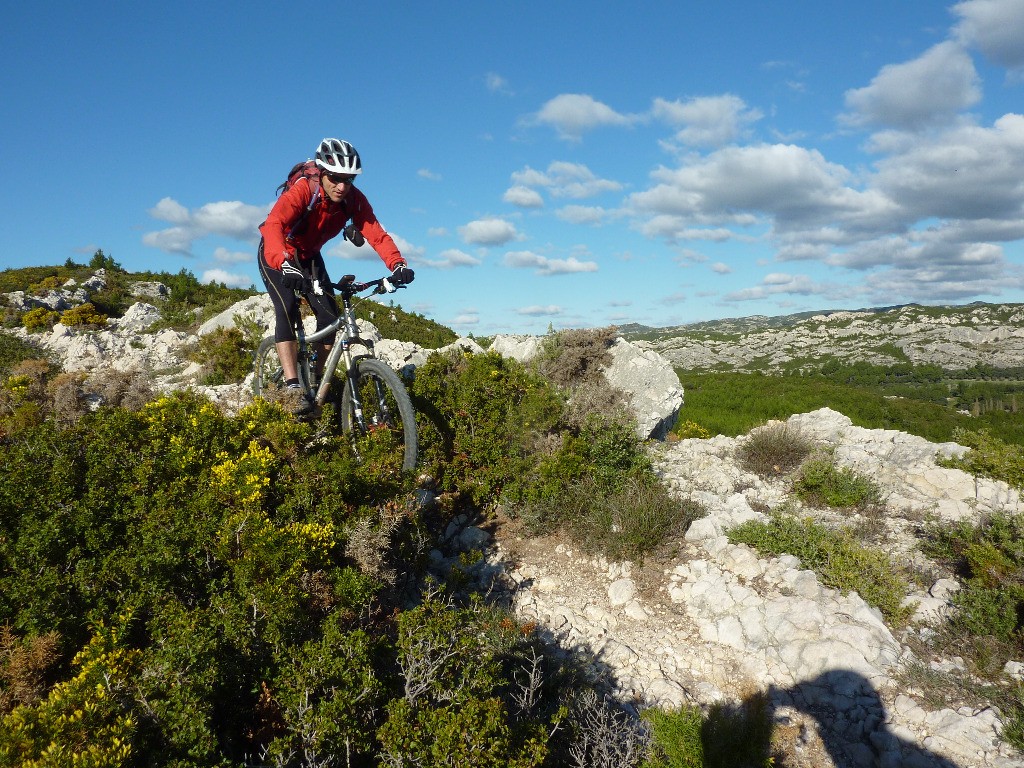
{"points": [[39, 319], [13, 350], [226, 356], [989, 457], [774, 449], [83, 316], [820, 481], [481, 417], [989, 557], [621, 523], [47, 284], [458, 705], [837, 558]]}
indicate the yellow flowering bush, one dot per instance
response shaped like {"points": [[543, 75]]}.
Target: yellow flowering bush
{"points": [[85, 722]]}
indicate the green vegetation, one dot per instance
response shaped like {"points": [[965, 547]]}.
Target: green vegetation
{"points": [[835, 555], [395, 323], [989, 457], [987, 629], [821, 482], [734, 403], [774, 449]]}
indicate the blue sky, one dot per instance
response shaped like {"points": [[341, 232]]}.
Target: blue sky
{"points": [[555, 164]]}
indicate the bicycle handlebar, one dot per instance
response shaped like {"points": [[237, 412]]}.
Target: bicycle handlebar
{"points": [[349, 287]]}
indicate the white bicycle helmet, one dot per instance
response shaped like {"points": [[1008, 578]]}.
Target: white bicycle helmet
{"points": [[337, 156]]}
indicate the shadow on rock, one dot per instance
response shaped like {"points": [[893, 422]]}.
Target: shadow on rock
{"points": [[852, 722]]}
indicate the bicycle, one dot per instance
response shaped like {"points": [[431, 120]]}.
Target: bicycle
{"points": [[374, 409]]}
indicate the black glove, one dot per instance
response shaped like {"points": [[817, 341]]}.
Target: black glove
{"points": [[353, 235], [401, 274], [292, 277]]}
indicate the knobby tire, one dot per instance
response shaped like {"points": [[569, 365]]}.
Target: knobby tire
{"points": [[377, 380]]}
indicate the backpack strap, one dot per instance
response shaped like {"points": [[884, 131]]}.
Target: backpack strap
{"points": [[312, 202]]}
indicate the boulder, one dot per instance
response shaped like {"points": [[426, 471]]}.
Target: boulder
{"points": [[651, 386]]}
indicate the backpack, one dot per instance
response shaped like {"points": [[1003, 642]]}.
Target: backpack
{"points": [[308, 170]]}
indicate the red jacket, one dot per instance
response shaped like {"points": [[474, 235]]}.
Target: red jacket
{"points": [[322, 223]]}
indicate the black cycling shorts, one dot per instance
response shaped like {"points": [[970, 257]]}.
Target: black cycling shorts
{"points": [[286, 304]]}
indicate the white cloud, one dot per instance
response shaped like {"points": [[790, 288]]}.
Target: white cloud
{"points": [[995, 27], [778, 283], [450, 259], [584, 214], [707, 121], [573, 114], [563, 179], [792, 187], [465, 318], [524, 197], [496, 83], [169, 210], [489, 231], [546, 267], [228, 278], [721, 268], [226, 218], [539, 311], [426, 173], [233, 257], [928, 90], [968, 172]]}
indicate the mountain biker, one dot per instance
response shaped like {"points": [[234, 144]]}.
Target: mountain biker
{"points": [[290, 257]]}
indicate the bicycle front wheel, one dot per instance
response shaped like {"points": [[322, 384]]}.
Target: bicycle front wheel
{"points": [[377, 415], [268, 380]]}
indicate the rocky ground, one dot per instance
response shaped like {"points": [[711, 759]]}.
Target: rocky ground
{"points": [[713, 623], [709, 622]]}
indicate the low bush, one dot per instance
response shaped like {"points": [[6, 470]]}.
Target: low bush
{"points": [[989, 457], [774, 449], [835, 555], [83, 316], [226, 356], [820, 481], [39, 319]]}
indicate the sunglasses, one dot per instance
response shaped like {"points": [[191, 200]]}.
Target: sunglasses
{"points": [[340, 178]]}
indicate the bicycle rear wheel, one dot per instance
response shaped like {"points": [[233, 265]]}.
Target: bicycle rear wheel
{"points": [[268, 380], [378, 416]]}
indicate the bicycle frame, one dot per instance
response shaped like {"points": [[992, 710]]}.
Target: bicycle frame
{"points": [[348, 336]]}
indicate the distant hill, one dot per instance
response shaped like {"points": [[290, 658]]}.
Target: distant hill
{"points": [[950, 336]]}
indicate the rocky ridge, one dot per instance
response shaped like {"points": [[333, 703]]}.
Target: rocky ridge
{"points": [[715, 623], [952, 337]]}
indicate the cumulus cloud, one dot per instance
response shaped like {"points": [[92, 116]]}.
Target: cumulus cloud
{"points": [[467, 317], [926, 91], [225, 256], [429, 175], [573, 114], [231, 280], [524, 197], [995, 27], [451, 259], [707, 121], [967, 172], [488, 231], [546, 267], [792, 187], [721, 268], [227, 218], [778, 283], [563, 179], [539, 311], [584, 214]]}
